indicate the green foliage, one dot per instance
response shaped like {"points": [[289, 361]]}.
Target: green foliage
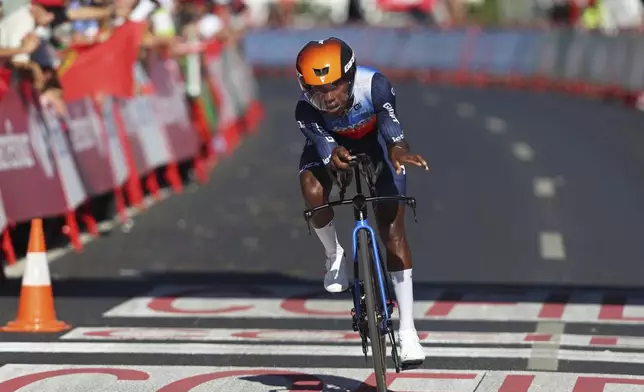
{"points": [[486, 13]]}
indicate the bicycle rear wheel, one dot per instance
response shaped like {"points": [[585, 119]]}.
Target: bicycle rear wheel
{"points": [[378, 345]]}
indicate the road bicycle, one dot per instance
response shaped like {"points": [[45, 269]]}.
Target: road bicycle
{"points": [[372, 302]]}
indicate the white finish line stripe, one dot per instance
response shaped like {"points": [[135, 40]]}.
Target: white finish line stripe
{"points": [[298, 350], [340, 336], [111, 378], [305, 302]]}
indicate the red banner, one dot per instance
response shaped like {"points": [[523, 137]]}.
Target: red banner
{"points": [[29, 180], [171, 109], [50, 166], [90, 146]]}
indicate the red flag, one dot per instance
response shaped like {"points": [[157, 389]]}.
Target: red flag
{"points": [[406, 5], [105, 67], [5, 80], [49, 3]]}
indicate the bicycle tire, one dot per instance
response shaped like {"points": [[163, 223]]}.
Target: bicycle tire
{"points": [[377, 341]]}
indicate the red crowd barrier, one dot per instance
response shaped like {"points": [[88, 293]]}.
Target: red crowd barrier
{"points": [[54, 165]]}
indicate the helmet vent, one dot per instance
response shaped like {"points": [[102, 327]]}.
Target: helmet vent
{"points": [[321, 71]]}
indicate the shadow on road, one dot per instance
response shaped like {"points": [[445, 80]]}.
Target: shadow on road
{"points": [[298, 382]]}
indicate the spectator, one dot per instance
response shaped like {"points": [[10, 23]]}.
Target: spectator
{"points": [[27, 46], [162, 19], [28, 33], [83, 31], [620, 15]]}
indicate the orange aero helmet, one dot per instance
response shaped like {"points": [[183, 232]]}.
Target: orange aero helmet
{"points": [[325, 62]]}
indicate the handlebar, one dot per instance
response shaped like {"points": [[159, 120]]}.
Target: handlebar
{"points": [[360, 200]]}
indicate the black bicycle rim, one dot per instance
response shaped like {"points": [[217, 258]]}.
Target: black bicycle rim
{"points": [[378, 348]]}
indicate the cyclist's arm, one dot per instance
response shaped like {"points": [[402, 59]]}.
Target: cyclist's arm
{"points": [[384, 105], [311, 123]]}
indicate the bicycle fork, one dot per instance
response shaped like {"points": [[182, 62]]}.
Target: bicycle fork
{"points": [[358, 313]]}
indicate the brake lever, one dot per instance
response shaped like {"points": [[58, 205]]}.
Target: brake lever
{"points": [[376, 173], [307, 218], [412, 203]]}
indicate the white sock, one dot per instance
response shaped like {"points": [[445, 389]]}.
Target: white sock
{"points": [[405, 296], [329, 239]]}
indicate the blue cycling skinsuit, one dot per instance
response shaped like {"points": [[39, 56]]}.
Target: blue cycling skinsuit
{"points": [[367, 127]]}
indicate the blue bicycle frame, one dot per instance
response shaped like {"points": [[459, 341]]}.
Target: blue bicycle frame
{"points": [[363, 224], [363, 167]]}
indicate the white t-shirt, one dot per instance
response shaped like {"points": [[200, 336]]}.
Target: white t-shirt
{"points": [[209, 26], [162, 22], [13, 28], [142, 10], [621, 14]]}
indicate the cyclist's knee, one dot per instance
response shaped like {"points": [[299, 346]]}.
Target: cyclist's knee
{"points": [[397, 235], [313, 189], [316, 193], [389, 214], [391, 224]]}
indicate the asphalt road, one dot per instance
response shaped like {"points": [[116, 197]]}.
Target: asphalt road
{"points": [[527, 259]]}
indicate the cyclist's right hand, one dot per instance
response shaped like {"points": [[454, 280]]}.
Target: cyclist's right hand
{"points": [[340, 158]]}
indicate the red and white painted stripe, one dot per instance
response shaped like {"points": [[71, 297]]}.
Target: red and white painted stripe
{"points": [[100, 378], [304, 302], [338, 336]]}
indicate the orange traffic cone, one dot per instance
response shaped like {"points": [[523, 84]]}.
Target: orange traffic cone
{"points": [[36, 311]]}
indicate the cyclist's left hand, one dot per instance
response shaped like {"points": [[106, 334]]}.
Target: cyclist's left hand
{"points": [[399, 157], [340, 158]]}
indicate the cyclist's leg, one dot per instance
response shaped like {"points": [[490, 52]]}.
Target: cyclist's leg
{"points": [[390, 218], [316, 184]]}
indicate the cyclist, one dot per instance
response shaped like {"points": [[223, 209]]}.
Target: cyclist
{"points": [[343, 108]]}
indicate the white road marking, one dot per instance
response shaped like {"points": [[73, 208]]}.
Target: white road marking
{"points": [[297, 350], [544, 187], [16, 270], [544, 353], [552, 245], [309, 302], [465, 109], [102, 378], [523, 152], [120, 378], [129, 272], [495, 125], [546, 333]]}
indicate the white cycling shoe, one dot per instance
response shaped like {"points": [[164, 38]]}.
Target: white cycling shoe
{"points": [[336, 279], [411, 352]]}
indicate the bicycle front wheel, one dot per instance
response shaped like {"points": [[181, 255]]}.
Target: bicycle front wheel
{"points": [[377, 339]]}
